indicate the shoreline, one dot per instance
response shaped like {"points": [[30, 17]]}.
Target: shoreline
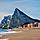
{"points": [[26, 34]]}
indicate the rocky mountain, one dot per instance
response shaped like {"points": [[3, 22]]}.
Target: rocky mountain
{"points": [[19, 18]]}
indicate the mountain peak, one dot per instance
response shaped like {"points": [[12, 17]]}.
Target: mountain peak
{"points": [[16, 9]]}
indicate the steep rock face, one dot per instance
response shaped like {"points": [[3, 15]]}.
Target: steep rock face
{"points": [[19, 18]]}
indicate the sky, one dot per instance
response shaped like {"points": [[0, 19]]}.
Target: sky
{"points": [[29, 7]]}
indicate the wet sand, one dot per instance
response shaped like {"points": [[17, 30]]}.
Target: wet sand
{"points": [[26, 34]]}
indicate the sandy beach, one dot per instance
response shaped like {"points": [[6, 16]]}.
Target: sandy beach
{"points": [[26, 34]]}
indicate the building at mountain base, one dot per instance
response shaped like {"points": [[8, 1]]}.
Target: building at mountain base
{"points": [[31, 25]]}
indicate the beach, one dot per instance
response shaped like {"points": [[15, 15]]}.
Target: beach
{"points": [[25, 34]]}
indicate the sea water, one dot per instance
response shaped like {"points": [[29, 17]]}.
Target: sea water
{"points": [[3, 30]]}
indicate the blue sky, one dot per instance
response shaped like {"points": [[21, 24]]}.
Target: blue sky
{"points": [[29, 7]]}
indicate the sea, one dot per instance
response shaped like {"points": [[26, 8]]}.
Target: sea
{"points": [[3, 30]]}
